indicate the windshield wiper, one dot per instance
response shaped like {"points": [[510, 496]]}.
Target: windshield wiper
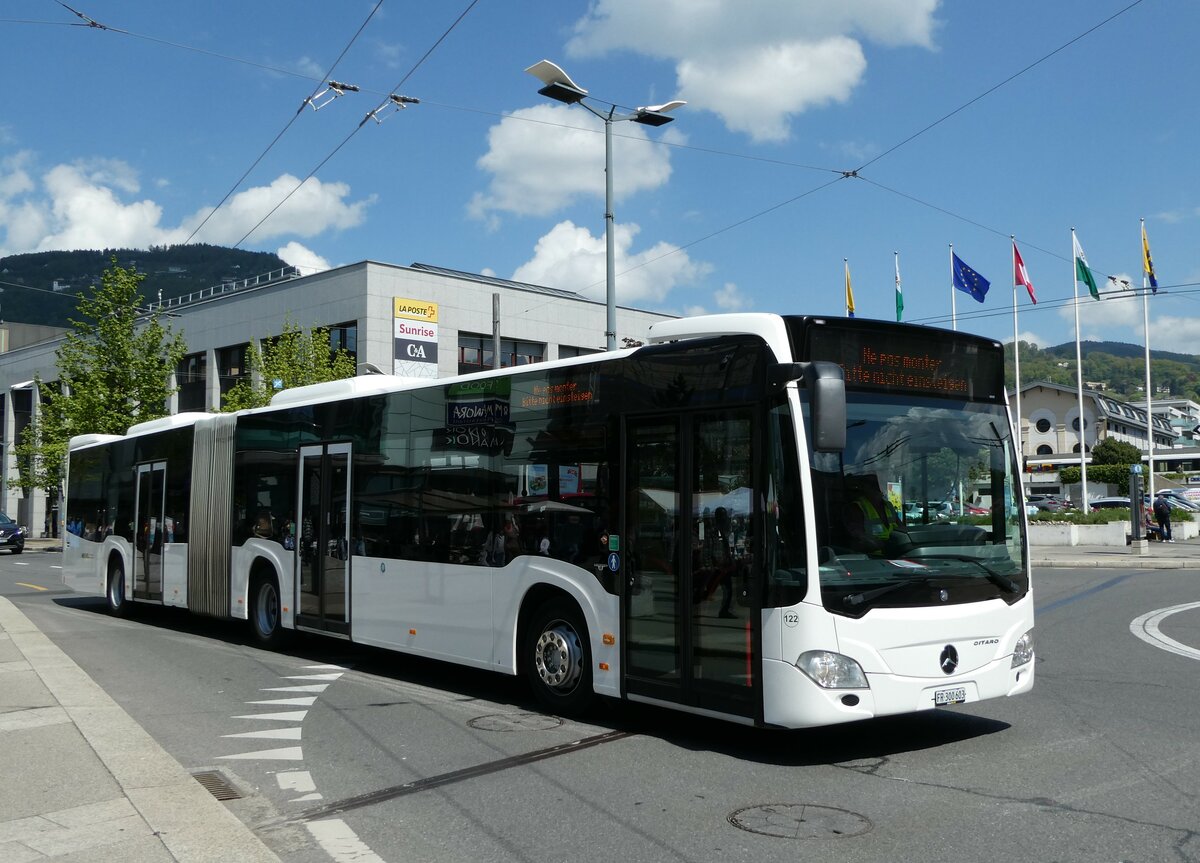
{"points": [[853, 600], [1002, 581]]}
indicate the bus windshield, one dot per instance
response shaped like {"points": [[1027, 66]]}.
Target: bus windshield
{"points": [[921, 508]]}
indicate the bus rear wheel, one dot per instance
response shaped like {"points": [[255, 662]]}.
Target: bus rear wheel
{"points": [[557, 657], [265, 615], [114, 592]]}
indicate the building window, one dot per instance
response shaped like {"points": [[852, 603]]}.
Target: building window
{"points": [[1075, 423], [565, 351], [344, 337], [1044, 449], [192, 377], [1043, 425], [231, 367], [475, 353]]}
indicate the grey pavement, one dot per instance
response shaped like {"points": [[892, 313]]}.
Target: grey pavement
{"points": [[84, 781], [88, 783]]}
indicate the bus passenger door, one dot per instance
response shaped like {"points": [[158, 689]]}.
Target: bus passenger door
{"points": [[149, 508], [323, 538], [690, 617]]}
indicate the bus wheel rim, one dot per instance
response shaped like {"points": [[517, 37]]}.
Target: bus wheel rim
{"points": [[267, 609], [558, 657]]}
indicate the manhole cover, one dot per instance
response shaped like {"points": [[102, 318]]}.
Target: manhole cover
{"points": [[515, 722], [800, 821]]}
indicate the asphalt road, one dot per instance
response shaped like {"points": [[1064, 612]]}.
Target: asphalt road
{"points": [[419, 761]]}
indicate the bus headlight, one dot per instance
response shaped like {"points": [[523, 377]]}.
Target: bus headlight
{"points": [[1023, 652], [832, 670]]}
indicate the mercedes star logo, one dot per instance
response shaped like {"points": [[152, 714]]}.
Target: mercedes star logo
{"points": [[949, 659]]}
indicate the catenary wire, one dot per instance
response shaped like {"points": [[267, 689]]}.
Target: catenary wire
{"points": [[361, 123], [288, 125]]}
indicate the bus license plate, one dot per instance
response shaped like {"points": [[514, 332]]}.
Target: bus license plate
{"points": [[950, 696]]}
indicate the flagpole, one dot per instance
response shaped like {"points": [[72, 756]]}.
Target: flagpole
{"points": [[953, 305], [1149, 409], [899, 293], [1079, 379], [1017, 356]]}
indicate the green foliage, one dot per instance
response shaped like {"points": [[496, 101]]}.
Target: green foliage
{"points": [[1115, 474], [171, 271], [1122, 367], [295, 358], [114, 369], [1113, 451]]}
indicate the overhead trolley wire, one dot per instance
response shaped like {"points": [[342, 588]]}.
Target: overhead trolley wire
{"points": [[361, 123]]}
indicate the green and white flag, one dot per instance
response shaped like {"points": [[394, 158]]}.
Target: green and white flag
{"points": [[899, 294], [1083, 273]]}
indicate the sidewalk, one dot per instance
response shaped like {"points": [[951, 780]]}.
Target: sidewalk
{"points": [[84, 780], [1181, 554]]}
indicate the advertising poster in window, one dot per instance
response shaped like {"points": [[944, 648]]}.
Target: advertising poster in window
{"points": [[415, 336]]}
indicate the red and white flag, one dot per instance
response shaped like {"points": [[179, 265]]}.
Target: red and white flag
{"points": [[1020, 274]]}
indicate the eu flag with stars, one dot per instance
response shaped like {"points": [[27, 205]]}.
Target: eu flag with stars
{"points": [[968, 281]]}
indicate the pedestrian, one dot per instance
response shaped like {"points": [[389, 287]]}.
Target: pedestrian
{"points": [[1162, 514]]}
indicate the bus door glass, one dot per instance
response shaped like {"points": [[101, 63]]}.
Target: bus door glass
{"points": [[323, 541], [690, 620], [148, 516]]}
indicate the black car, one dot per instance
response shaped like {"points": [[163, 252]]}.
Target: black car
{"points": [[12, 535]]}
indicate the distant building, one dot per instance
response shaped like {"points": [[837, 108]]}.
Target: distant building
{"points": [[1050, 431], [418, 321]]}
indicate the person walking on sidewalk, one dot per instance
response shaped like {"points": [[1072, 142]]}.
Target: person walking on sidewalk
{"points": [[1162, 514]]}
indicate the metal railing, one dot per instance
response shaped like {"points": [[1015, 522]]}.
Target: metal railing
{"points": [[280, 275]]}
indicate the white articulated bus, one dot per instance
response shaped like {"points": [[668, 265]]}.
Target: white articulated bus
{"points": [[784, 521]]}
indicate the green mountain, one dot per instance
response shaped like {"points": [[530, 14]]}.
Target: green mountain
{"points": [[56, 278], [1119, 367]]}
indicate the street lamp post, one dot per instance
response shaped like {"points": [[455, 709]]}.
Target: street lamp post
{"points": [[561, 88]]}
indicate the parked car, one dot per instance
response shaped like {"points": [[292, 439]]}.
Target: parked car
{"points": [[1048, 502], [1178, 501], [1099, 503], [12, 535]]}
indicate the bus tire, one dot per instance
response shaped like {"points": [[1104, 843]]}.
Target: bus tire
{"points": [[265, 616], [114, 589], [557, 657]]}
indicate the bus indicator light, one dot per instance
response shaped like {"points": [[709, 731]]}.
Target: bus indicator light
{"points": [[604, 666], [412, 632], [608, 638]]}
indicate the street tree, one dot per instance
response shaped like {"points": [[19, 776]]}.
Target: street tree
{"points": [[1113, 451], [114, 369], [295, 358]]}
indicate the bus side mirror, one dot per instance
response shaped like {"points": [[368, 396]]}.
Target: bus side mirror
{"points": [[827, 401]]}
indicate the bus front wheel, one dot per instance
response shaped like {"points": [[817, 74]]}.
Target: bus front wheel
{"points": [[557, 657], [118, 605], [264, 611]]}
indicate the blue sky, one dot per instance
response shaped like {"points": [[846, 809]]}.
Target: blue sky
{"points": [[112, 138]]}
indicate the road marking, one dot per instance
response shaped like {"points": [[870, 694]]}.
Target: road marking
{"points": [[30, 586], [313, 687], [1146, 628], [286, 716], [315, 676], [287, 753], [307, 701], [341, 843], [269, 734]]}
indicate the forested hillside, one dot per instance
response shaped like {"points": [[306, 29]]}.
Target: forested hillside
{"points": [[1120, 367], [173, 270]]}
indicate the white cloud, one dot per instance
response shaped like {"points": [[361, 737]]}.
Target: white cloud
{"points": [[85, 205], [543, 158], [312, 209], [729, 298], [303, 258], [759, 70], [571, 258]]}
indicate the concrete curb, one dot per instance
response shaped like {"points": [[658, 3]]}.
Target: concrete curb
{"points": [[192, 824]]}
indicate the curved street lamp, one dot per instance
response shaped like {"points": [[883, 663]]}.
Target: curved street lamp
{"points": [[560, 87]]}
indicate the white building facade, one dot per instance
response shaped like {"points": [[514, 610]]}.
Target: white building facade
{"points": [[419, 321]]}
